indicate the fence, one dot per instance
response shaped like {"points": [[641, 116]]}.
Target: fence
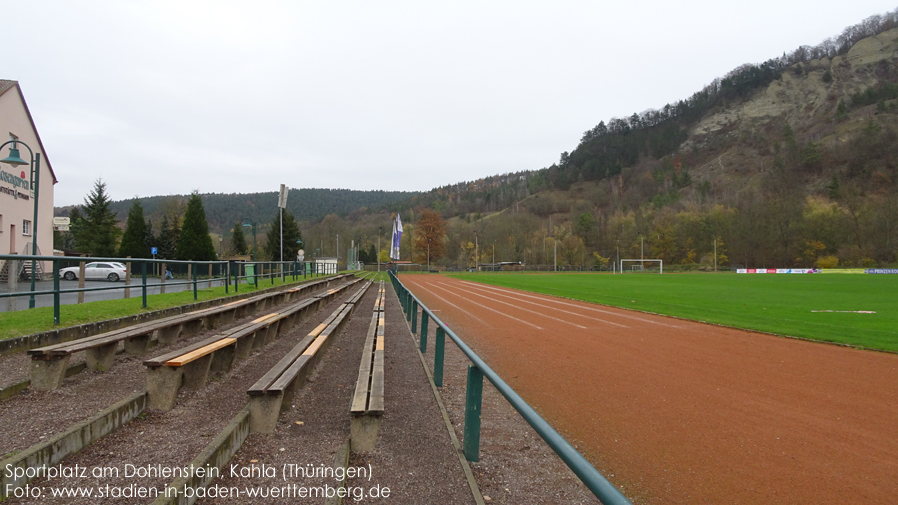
{"points": [[170, 272], [595, 481]]}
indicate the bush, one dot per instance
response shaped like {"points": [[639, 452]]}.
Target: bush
{"points": [[827, 262]]}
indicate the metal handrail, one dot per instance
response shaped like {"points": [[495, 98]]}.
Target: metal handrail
{"points": [[592, 478]]}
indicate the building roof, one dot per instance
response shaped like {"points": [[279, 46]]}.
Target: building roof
{"points": [[6, 85]]}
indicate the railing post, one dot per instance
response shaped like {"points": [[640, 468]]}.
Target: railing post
{"points": [[193, 272], [143, 288], [56, 292], [408, 306], [414, 316], [226, 275], [424, 320], [438, 351], [473, 402], [237, 276]]}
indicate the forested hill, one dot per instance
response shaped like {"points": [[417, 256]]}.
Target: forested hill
{"points": [[789, 162], [223, 210]]}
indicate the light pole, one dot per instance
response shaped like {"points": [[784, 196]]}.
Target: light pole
{"points": [[35, 163], [555, 245], [494, 255], [253, 225], [338, 251], [476, 253], [428, 255], [379, 233], [220, 251]]}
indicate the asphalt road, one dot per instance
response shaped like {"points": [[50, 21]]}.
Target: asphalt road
{"points": [[117, 291]]}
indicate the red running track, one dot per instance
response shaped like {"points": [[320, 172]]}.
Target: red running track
{"points": [[685, 412]]}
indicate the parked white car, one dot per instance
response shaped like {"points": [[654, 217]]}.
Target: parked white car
{"points": [[97, 270]]}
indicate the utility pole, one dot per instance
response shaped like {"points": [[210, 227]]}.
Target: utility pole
{"points": [[476, 253]]}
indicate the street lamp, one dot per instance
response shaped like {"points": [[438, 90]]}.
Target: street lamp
{"points": [[428, 255], [379, 233], [253, 225], [35, 163], [476, 252]]}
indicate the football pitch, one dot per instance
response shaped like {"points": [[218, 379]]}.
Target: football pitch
{"points": [[858, 310]]}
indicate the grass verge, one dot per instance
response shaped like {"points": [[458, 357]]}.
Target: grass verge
{"points": [[26, 322]]}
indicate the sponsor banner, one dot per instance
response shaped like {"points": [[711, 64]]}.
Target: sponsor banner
{"points": [[779, 271], [881, 270]]}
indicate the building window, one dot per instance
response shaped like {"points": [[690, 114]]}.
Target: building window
{"points": [[26, 228]]}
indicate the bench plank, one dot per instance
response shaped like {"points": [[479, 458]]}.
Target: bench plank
{"points": [[199, 353]]}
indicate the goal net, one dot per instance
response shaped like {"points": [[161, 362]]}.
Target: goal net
{"points": [[637, 265]]}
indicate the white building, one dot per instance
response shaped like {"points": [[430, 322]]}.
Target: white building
{"points": [[17, 196]]}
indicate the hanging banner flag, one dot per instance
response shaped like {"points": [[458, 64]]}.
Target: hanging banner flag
{"points": [[397, 237]]}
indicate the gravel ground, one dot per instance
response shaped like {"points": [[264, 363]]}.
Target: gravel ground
{"points": [[516, 466], [414, 458], [159, 439]]}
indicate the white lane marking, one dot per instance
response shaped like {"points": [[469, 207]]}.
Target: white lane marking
{"points": [[481, 321], [555, 309], [519, 308], [484, 307], [550, 298]]}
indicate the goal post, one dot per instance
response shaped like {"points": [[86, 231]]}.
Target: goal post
{"points": [[638, 265]]}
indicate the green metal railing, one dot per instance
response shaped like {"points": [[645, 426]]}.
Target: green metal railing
{"points": [[220, 271], [477, 370]]}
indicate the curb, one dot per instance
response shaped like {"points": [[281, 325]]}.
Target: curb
{"points": [[69, 442], [216, 454]]}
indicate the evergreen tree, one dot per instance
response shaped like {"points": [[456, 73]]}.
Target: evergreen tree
{"points": [[134, 240], [372, 254], [151, 237], [194, 242], [291, 235], [238, 241], [167, 240], [96, 233]]}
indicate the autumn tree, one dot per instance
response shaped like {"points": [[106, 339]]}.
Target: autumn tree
{"points": [[428, 233]]}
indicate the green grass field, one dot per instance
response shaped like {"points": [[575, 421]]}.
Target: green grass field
{"points": [[775, 303]]}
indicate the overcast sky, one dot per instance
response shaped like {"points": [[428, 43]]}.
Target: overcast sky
{"points": [[160, 98]]}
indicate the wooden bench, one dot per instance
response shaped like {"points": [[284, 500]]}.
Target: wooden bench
{"points": [[367, 407], [49, 363], [191, 365], [274, 391]]}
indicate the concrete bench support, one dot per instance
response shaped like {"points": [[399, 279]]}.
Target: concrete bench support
{"points": [[48, 374], [223, 359], [102, 357], [197, 372], [163, 383], [168, 335], [363, 431], [264, 411], [137, 346]]}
